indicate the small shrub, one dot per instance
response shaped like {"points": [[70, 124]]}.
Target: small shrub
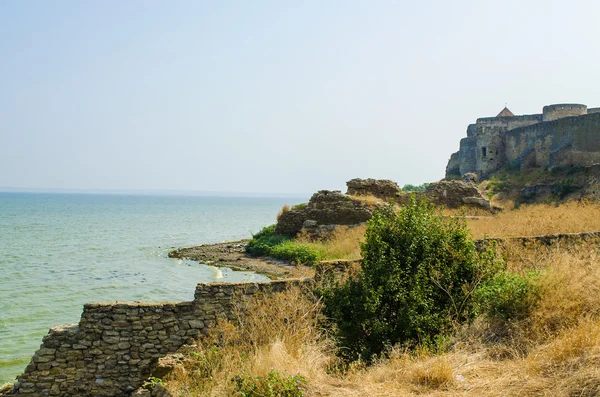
{"points": [[564, 187], [263, 241], [296, 253], [415, 188], [299, 207], [152, 382], [272, 385], [507, 296]]}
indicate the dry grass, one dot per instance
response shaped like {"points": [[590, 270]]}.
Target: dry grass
{"points": [[343, 243], [283, 210], [281, 333], [539, 219], [555, 351], [369, 200]]}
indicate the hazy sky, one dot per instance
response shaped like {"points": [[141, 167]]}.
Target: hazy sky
{"points": [[273, 96]]}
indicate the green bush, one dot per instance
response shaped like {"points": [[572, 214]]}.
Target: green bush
{"points": [[296, 253], [263, 241], [300, 206], [507, 296], [415, 188], [419, 270], [267, 243], [272, 385]]}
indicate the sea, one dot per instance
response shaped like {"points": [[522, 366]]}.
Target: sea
{"points": [[59, 251]]}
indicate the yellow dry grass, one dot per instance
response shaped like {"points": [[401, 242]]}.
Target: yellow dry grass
{"points": [[343, 243], [553, 352], [539, 219], [369, 200], [285, 208]]}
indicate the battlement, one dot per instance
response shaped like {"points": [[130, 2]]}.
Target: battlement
{"points": [[561, 110]]}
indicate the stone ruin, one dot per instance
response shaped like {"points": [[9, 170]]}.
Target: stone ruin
{"points": [[328, 209], [324, 211], [117, 346], [381, 188]]}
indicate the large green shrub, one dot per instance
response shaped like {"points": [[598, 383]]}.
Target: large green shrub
{"points": [[419, 271]]}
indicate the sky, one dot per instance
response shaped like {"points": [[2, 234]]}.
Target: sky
{"points": [[272, 96]]}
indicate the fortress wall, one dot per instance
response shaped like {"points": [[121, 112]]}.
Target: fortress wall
{"points": [[577, 139], [593, 110], [453, 167], [467, 155], [510, 122], [489, 151], [524, 121], [554, 112], [115, 346]]}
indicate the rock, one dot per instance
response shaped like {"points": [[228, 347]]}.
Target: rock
{"points": [[380, 188], [325, 208], [470, 177], [456, 194]]}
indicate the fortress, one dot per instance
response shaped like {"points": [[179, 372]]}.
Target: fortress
{"points": [[563, 135]]}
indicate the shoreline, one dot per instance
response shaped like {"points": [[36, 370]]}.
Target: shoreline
{"points": [[232, 255]]}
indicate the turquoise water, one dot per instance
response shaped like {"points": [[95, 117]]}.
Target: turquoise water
{"points": [[59, 251]]}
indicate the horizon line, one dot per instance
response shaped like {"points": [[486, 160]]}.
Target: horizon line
{"points": [[148, 192]]}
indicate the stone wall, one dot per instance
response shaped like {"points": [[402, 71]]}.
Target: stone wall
{"points": [[567, 134], [566, 141], [116, 346], [325, 208], [380, 188]]}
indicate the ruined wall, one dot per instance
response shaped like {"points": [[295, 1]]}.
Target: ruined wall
{"points": [[115, 346], [325, 208], [380, 188], [558, 111], [467, 155], [453, 167]]}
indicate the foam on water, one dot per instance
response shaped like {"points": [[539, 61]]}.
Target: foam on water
{"points": [[59, 251]]}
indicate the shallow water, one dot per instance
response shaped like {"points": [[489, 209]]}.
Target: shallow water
{"points": [[59, 251]]}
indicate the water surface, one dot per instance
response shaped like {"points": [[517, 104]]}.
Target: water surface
{"points": [[59, 251]]}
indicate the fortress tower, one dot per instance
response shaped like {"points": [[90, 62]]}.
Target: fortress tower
{"points": [[564, 134]]}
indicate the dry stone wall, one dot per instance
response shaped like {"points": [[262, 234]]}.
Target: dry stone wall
{"points": [[380, 188], [116, 346], [325, 208]]}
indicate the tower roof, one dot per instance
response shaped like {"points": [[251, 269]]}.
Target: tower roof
{"points": [[505, 113]]}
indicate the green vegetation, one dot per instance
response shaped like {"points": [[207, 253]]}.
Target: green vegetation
{"points": [[508, 296], [300, 206], [272, 385], [415, 188], [267, 243], [419, 272]]}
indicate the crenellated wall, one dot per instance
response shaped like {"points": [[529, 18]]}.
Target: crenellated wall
{"points": [[115, 346]]}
